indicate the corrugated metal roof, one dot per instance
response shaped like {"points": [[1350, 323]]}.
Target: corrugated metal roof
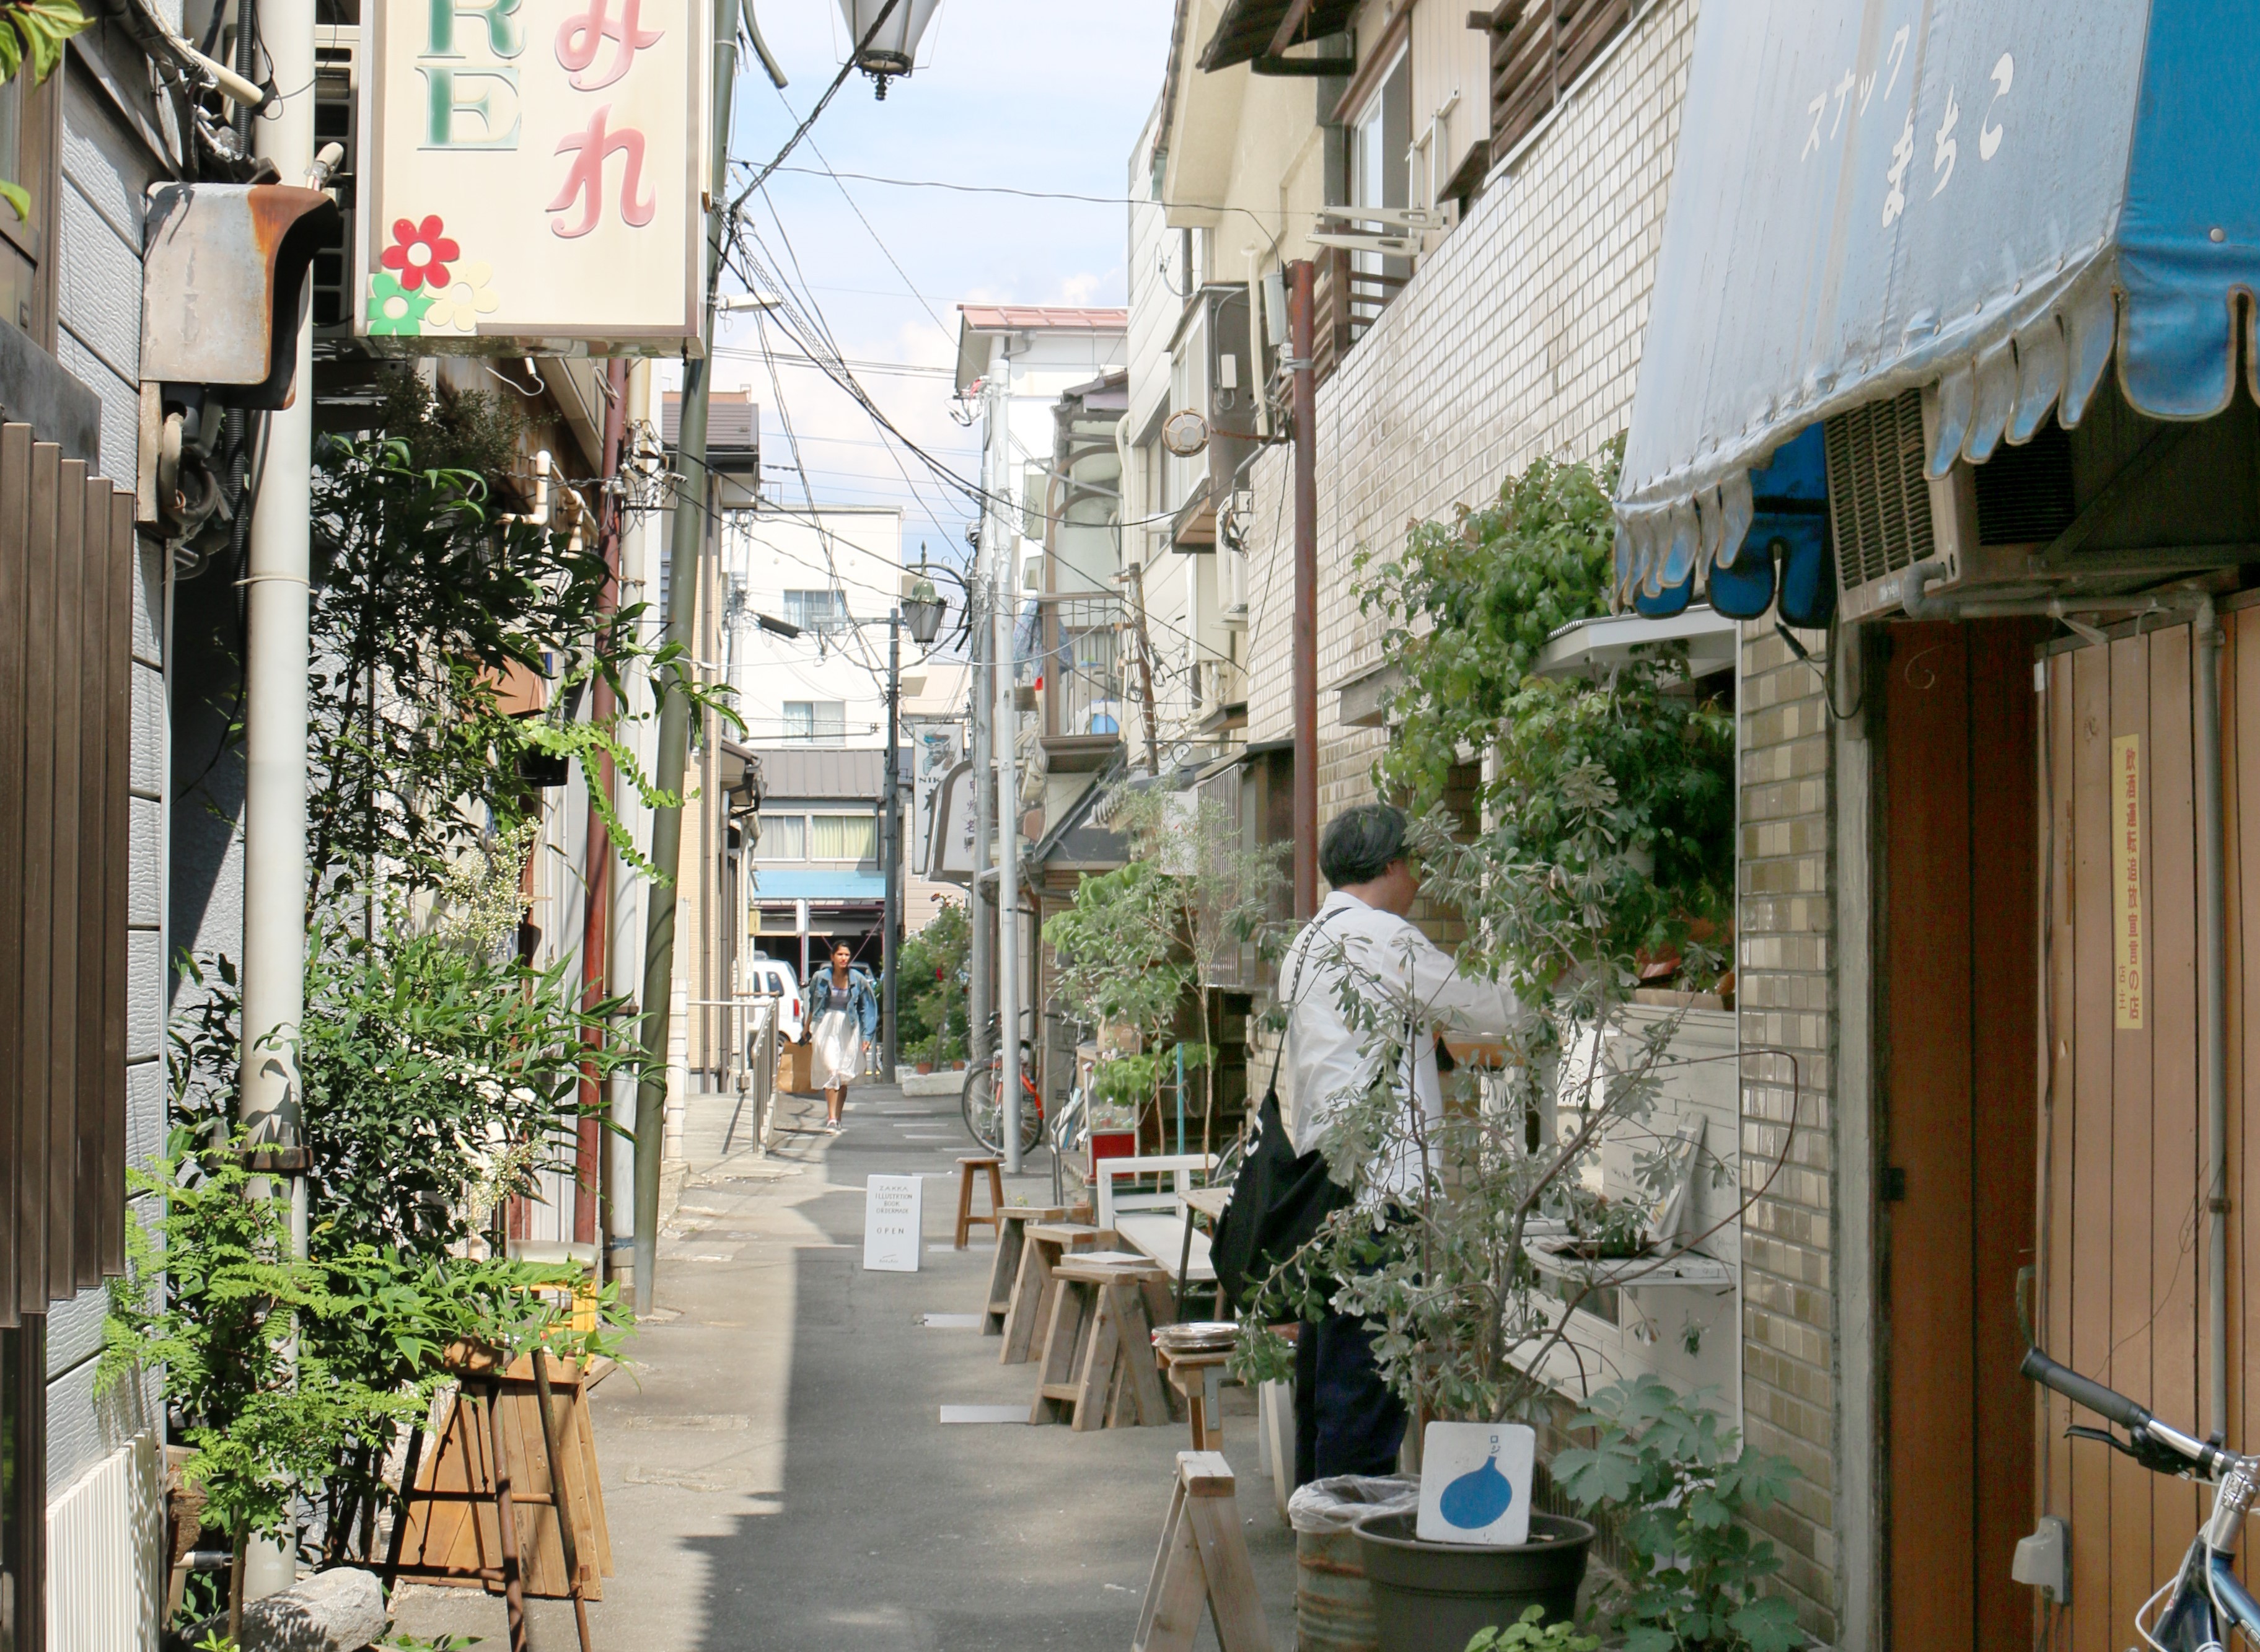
{"points": [[734, 426], [825, 771], [1041, 318]]}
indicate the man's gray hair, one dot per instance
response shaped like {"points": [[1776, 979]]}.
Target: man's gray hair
{"points": [[1361, 843]]}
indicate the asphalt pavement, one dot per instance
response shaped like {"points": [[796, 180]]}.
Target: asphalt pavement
{"points": [[776, 1472]]}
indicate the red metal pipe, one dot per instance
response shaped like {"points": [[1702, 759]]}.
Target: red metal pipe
{"points": [[597, 870], [1304, 636]]}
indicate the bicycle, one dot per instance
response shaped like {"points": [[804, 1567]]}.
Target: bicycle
{"points": [[2204, 1592], [983, 1103]]}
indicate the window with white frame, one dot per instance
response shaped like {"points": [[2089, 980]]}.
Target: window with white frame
{"points": [[784, 837], [813, 610], [815, 721], [842, 837]]}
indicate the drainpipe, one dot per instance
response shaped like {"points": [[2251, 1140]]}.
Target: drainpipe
{"points": [[274, 727], [2212, 920], [1304, 635], [597, 854], [685, 556]]}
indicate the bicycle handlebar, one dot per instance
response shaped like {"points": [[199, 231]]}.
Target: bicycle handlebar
{"points": [[2083, 1391]]}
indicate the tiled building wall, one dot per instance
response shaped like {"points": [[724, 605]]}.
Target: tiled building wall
{"points": [[1785, 936], [1519, 337]]}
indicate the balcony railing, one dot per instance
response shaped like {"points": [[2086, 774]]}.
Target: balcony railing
{"points": [[1346, 300], [1086, 700]]}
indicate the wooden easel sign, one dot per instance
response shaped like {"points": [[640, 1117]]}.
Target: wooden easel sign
{"points": [[893, 1223], [1475, 1482]]}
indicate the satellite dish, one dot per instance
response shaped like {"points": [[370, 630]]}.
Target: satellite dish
{"points": [[1184, 433]]}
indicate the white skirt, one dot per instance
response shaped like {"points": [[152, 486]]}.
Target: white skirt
{"points": [[839, 1044]]}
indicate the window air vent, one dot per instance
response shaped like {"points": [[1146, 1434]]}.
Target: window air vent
{"points": [[1878, 500], [2024, 494]]}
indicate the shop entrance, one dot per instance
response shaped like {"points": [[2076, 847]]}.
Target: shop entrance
{"points": [[1958, 783]]}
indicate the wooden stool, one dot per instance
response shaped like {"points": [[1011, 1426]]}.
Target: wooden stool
{"points": [[1042, 1245], [1012, 1242], [966, 1168], [1203, 1561], [1097, 1370]]}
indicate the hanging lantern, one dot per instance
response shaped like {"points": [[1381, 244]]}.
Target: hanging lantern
{"points": [[892, 28]]}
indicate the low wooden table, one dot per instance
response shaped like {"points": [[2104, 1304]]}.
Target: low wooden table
{"points": [[1042, 1244], [1096, 1369], [1014, 1222]]}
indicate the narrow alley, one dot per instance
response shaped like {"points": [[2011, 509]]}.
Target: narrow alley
{"points": [[776, 1475]]}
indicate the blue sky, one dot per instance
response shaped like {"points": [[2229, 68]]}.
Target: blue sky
{"points": [[1044, 95]]}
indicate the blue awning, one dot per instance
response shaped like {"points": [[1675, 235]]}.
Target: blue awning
{"points": [[818, 884], [1993, 197]]}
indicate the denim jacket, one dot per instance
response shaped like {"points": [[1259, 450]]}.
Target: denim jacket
{"points": [[862, 999]]}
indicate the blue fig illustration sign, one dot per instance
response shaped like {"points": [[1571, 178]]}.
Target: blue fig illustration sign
{"points": [[1475, 1483]]}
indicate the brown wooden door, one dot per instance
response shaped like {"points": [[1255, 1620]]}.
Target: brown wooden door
{"points": [[1956, 1058]]}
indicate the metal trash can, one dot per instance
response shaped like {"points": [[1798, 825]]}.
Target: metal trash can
{"points": [[1334, 1607]]}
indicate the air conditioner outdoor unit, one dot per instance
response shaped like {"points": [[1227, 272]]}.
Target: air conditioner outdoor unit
{"points": [[1973, 529]]}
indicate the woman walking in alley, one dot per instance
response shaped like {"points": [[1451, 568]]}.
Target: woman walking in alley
{"points": [[843, 1014]]}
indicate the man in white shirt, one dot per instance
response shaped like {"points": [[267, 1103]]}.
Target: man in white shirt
{"points": [[1347, 1421]]}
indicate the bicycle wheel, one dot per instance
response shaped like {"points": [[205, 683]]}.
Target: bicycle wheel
{"points": [[983, 1105]]}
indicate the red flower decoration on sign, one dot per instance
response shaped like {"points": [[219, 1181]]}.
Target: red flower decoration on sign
{"points": [[420, 253]]}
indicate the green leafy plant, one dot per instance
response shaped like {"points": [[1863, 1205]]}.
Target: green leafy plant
{"points": [[1139, 939], [1530, 1633], [1682, 1487], [33, 31], [934, 970], [1465, 609]]}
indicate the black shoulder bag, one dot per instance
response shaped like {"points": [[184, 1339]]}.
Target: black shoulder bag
{"points": [[1277, 1203]]}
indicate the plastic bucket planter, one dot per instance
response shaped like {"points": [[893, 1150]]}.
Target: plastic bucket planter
{"points": [[1434, 1597]]}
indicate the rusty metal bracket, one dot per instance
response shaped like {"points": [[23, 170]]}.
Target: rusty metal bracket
{"points": [[224, 287]]}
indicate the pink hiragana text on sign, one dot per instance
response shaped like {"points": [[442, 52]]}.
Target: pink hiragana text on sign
{"points": [[586, 179], [583, 35]]}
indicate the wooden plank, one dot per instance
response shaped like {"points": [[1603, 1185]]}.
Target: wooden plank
{"points": [[38, 858], [2127, 1363], [1932, 1457], [63, 926], [1095, 1373], [15, 532], [2175, 1244], [1169, 1619], [1233, 1603], [2005, 987], [2241, 834], [2053, 1305], [117, 894], [2087, 1332], [90, 1099]]}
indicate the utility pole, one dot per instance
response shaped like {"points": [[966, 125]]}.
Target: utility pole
{"points": [[1008, 785], [891, 838], [980, 953], [684, 555], [1304, 634]]}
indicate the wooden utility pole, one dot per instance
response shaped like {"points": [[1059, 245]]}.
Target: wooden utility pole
{"points": [[1136, 574]]}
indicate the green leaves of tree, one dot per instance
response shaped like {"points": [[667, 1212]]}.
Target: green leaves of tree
{"points": [[1682, 1487]]}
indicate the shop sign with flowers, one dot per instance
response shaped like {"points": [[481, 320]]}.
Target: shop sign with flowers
{"points": [[531, 177]]}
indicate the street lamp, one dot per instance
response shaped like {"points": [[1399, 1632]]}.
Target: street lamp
{"points": [[922, 612], [886, 33]]}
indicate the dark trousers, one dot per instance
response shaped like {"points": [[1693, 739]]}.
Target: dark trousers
{"points": [[1347, 1420]]}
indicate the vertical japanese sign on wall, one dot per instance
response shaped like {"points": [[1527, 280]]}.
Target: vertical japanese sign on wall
{"points": [[531, 175], [2130, 960]]}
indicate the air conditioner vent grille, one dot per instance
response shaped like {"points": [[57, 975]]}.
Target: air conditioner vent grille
{"points": [[1878, 501], [2024, 494]]}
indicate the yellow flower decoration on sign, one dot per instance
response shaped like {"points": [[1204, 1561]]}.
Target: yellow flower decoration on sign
{"points": [[466, 298]]}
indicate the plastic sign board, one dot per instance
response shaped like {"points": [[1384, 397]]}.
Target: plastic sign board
{"points": [[1475, 1482], [892, 1223], [953, 827], [530, 176]]}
